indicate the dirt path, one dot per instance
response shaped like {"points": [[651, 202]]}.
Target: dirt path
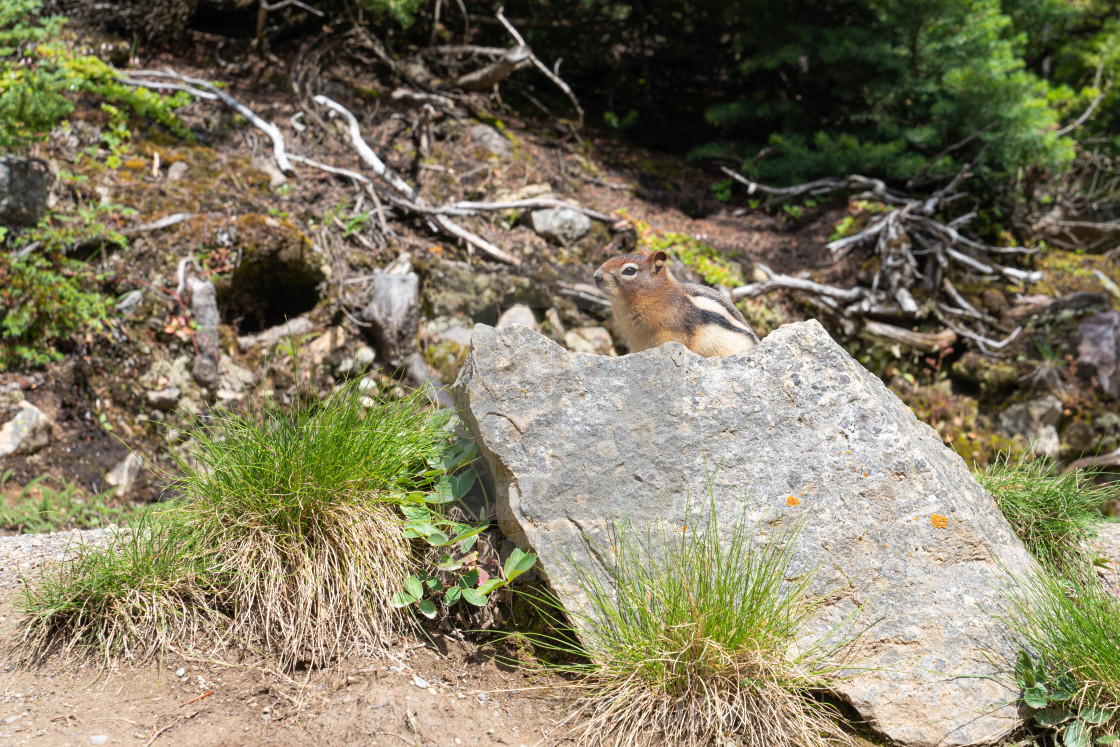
{"points": [[414, 696]]}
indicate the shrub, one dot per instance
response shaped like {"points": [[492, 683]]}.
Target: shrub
{"points": [[695, 641], [1055, 514]]}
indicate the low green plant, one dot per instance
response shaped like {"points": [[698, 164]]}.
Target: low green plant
{"points": [[1069, 668], [1054, 513], [691, 640], [452, 571], [39, 73], [39, 508], [714, 267]]}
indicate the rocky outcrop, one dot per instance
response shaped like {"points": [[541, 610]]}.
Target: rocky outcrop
{"points": [[793, 427], [1098, 354]]}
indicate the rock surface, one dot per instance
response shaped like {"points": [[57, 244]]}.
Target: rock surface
{"points": [[26, 433], [25, 190], [795, 427], [394, 315], [562, 225], [1098, 354], [1029, 418]]}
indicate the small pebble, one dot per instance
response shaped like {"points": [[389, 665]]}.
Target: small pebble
{"points": [[180, 672], [99, 739], [420, 682]]}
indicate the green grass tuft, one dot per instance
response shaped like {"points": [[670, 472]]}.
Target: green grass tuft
{"points": [[1071, 627], [1055, 514], [288, 537], [695, 641]]}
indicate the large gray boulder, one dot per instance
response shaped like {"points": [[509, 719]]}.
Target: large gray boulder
{"points": [[28, 432], [794, 426]]}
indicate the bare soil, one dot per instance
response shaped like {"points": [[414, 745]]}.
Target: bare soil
{"points": [[414, 696]]}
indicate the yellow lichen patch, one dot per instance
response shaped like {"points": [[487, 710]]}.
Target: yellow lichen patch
{"points": [[937, 521], [793, 501]]}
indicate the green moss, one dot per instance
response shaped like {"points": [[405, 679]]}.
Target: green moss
{"points": [[715, 268], [1067, 272]]}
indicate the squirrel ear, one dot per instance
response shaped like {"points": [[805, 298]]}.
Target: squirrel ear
{"points": [[659, 260]]}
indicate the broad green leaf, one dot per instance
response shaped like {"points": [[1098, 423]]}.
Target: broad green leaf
{"points": [[401, 599], [1024, 670], [490, 585], [444, 491], [518, 562], [468, 543], [473, 596], [1095, 716], [438, 539], [434, 584], [427, 608], [469, 579], [463, 481], [466, 531], [1052, 716], [1108, 739], [448, 563], [452, 595], [414, 512], [414, 586], [1076, 735], [1035, 696]]}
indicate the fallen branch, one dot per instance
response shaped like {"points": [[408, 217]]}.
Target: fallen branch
{"points": [[551, 75], [411, 196], [775, 281], [922, 340], [201, 88]]}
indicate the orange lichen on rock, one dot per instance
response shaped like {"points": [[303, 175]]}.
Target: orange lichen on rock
{"points": [[937, 521], [793, 501]]}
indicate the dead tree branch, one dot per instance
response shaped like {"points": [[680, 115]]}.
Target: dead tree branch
{"points": [[405, 192], [918, 256], [554, 77], [203, 89]]}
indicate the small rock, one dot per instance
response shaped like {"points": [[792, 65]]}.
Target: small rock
{"points": [[364, 357], [176, 171], [164, 399], [562, 225], [393, 314], [367, 385], [1047, 444], [1028, 418], [518, 314], [1098, 354], [324, 347], [554, 325], [301, 325], [594, 340], [487, 137], [990, 374], [458, 334], [26, 433], [346, 367], [204, 311], [129, 302], [99, 739], [124, 474], [482, 697], [420, 682], [1080, 439], [25, 190], [233, 378], [180, 672]]}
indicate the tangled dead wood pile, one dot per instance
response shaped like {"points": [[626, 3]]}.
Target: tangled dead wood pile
{"points": [[919, 257]]}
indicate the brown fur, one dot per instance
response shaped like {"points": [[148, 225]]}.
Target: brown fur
{"points": [[651, 307]]}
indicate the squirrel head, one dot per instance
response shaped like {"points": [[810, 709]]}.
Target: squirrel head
{"points": [[629, 277]]}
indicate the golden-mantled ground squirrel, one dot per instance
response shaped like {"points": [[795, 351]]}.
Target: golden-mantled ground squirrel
{"points": [[651, 307]]}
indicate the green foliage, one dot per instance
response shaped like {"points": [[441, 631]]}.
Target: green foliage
{"points": [[693, 635], [53, 510], [1069, 669], [401, 11], [450, 571], [39, 75], [43, 303], [1055, 514], [713, 266], [47, 297]]}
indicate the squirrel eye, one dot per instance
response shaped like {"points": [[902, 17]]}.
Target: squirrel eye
{"points": [[629, 272]]}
